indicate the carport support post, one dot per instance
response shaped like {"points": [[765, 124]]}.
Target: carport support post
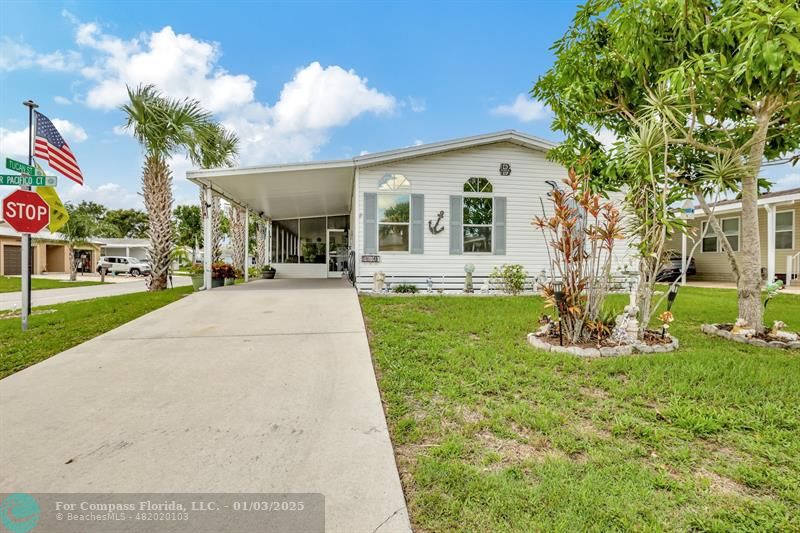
{"points": [[207, 244], [246, 244]]}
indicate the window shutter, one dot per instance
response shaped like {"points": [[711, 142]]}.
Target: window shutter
{"points": [[417, 224], [370, 223], [499, 229], [456, 226]]}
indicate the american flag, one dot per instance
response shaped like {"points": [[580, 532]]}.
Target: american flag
{"points": [[51, 146]]}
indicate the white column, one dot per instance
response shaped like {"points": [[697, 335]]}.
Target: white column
{"points": [[684, 259], [246, 244], [770, 242], [207, 244]]}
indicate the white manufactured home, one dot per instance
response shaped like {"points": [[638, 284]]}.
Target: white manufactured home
{"points": [[416, 214]]}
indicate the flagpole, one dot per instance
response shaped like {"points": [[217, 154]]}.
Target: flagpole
{"points": [[26, 237]]}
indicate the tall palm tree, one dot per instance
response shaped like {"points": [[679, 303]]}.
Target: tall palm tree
{"points": [[165, 126]]}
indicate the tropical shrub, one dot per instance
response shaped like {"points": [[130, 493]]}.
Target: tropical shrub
{"points": [[580, 235], [222, 271], [406, 288], [510, 278]]}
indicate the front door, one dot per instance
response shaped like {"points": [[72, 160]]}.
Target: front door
{"points": [[337, 252]]}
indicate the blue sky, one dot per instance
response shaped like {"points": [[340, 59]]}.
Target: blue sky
{"points": [[297, 80]]}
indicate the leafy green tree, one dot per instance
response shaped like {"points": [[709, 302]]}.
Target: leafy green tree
{"points": [[720, 77], [189, 225], [78, 231], [125, 223]]}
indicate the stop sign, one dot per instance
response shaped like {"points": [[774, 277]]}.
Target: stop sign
{"points": [[25, 211]]}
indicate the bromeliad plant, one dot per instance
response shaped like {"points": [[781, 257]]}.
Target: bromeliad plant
{"points": [[580, 235]]}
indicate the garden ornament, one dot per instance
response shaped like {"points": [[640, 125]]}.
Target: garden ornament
{"points": [[377, 282], [776, 332], [741, 327], [429, 283], [469, 268], [485, 287], [434, 228]]}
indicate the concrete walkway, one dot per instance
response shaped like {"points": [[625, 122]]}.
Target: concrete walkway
{"points": [[264, 387], [13, 300]]}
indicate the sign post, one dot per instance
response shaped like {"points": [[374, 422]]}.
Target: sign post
{"points": [[26, 238]]}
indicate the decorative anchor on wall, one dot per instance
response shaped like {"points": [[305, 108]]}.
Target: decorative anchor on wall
{"points": [[435, 227]]}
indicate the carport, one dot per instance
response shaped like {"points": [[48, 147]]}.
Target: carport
{"points": [[307, 208]]}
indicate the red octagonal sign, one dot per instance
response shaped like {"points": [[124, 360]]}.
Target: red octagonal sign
{"points": [[26, 211]]}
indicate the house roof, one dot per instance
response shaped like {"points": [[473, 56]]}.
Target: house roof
{"points": [[123, 243], [326, 187], [788, 196]]}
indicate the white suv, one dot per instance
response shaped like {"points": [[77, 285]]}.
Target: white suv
{"points": [[123, 265]]}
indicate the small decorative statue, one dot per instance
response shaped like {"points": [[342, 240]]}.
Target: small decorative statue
{"points": [[626, 328], [377, 282], [546, 325], [485, 287], [429, 283], [469, 268], [540, 281], [741, 327], [776, 332]]}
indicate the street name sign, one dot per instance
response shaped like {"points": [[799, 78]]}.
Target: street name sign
{"points": [[22, 180], [26, 211], [12, 164]]}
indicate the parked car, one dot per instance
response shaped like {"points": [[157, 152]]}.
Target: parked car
{"points": [[123, 265], [672, 268]]}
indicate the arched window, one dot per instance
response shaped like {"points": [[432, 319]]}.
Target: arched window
{"points": [[394, 202], [478, 215]]}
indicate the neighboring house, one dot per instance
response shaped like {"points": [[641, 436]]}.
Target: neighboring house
{"points": [[50, 253], [779, 234], [137, 248], [386, 208]]}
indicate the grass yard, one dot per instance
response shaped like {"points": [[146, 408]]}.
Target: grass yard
{"points": [[492, 435], [55, 328], [14, 284]]}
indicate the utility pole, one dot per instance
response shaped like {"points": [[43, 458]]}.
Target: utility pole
{"points": [[26, 237]]}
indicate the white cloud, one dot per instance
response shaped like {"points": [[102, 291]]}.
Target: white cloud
{"points": [[523, 109], [418, 142], [417, 105], [788, 181], [112, 195], [18, 55], [363, 152], [317, 99], [63, 100], [15, 142]]}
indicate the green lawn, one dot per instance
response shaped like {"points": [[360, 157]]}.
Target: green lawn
{"points": [[14, 284], [72, 323], [492, 435]]}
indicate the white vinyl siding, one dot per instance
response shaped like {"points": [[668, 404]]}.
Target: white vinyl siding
{"points": [[440, 177]]}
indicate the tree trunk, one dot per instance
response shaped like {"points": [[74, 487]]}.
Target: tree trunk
{"points": [[749, 284], [261, 243], [216, 230], [157, 192], [236, 216], [73, 265]]}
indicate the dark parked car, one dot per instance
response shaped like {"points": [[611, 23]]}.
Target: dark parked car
{"points": [[672, 268]]}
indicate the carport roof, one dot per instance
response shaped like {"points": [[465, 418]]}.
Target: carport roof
{"points": [[326, 187]]}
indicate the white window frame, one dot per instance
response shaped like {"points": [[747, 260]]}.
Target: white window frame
{"points": [[464, 225], [791, 229], [712, 234], [394, 193]]}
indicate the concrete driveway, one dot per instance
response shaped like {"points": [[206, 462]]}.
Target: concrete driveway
{"points": [[113, 287], [265, 387]]}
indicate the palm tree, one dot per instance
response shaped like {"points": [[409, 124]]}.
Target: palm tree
{"points": [[78, 231], [165, 126]]}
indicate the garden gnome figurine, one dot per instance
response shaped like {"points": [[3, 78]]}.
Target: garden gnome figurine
{"points": [[377, 282], [469, 268]]}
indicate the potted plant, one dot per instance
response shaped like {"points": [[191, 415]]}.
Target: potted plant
{"points": [[196, 273], [231, 275], [267, 272], [219, 273]]}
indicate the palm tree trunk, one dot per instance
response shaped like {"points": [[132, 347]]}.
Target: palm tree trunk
{"points": [[157, 192], [237, 221], [216, 230], [261, 243]]}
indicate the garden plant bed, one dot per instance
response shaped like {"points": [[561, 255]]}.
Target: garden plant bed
{"points": [[762, 340], [653, 343]]}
